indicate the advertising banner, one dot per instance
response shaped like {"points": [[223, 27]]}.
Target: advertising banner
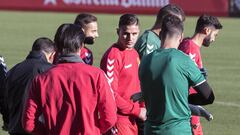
{"points": [[191, 7]]}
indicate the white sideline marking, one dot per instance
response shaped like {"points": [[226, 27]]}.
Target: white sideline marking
{"points": [[227, 104]]}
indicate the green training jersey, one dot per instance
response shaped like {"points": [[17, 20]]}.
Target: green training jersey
{"points": [[147, 43], [166, 75]]}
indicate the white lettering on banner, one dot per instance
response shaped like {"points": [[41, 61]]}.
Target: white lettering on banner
{"points": [[53, 2], [92, 2], [96, 2], [123, 3], [77, 2], [144, 3], [110, 2]]}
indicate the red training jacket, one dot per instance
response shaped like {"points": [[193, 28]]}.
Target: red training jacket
{"points": [[73, 98], [121, 68]]}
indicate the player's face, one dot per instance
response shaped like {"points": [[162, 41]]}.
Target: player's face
{"points": [[91, 32], [210, 37], [128, 36]]}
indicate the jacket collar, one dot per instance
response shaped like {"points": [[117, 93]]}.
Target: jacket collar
{"points": [[70, 58], [37, 55]]}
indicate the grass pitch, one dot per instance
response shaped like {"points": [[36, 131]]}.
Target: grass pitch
{"points": [[18, 30]]}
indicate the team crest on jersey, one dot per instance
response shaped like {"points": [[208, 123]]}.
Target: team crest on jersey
{"points": [[128, 66]]}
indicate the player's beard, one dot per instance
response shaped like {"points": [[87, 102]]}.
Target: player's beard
{"points": [[207, 42], [89, 40]]}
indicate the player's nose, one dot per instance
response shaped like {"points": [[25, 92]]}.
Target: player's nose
{"points": [[97, 35], [130, 37]]}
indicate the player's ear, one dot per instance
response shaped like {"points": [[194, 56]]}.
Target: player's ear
{"points": [[181, 39], [83, 30], [52, 56], [206, 30]]}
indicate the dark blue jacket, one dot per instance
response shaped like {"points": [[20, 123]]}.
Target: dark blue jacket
{"points": [[17, 83]]}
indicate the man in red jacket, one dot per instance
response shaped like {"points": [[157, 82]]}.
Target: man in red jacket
{"points": [[207, 29], [88, 23], [120, 63], [68, 99]]}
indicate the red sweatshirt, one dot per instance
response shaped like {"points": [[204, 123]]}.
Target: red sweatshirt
{"points": [[74, 98], [193, 50], [86, 55], [121, 68]]}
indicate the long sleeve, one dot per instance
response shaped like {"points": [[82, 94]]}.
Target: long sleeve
{"points": [[106, 106], [147, 43], [111, 64], [31, 111], [140, 47], [204, 96]]}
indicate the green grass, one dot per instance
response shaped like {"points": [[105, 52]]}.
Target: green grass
{"points": [[18, 30]]}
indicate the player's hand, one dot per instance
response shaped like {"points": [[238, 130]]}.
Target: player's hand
{"points": [[142, 114], [137, 97]]}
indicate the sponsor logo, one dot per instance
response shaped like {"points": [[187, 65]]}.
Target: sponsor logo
{"points": [[122, 3], [128, 66]]}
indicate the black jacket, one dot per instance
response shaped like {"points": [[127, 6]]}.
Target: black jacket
{"points": [[17, 82]]}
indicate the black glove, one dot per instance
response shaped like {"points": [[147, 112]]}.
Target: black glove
{"points": [[200, 111], [137, 97]]}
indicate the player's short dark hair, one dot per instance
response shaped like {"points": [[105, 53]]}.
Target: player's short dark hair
{"points": [[43, 44], [207, 21], [171, 25], [71, 39], [128, 19], [83, 19], [58, 36], [169, 9]]}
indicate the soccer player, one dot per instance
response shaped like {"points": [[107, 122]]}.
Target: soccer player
{"points": [[165, 77], [206, 30], [149, 40], [89, 25], [20, 76], [120, 63], [72, 97]]}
